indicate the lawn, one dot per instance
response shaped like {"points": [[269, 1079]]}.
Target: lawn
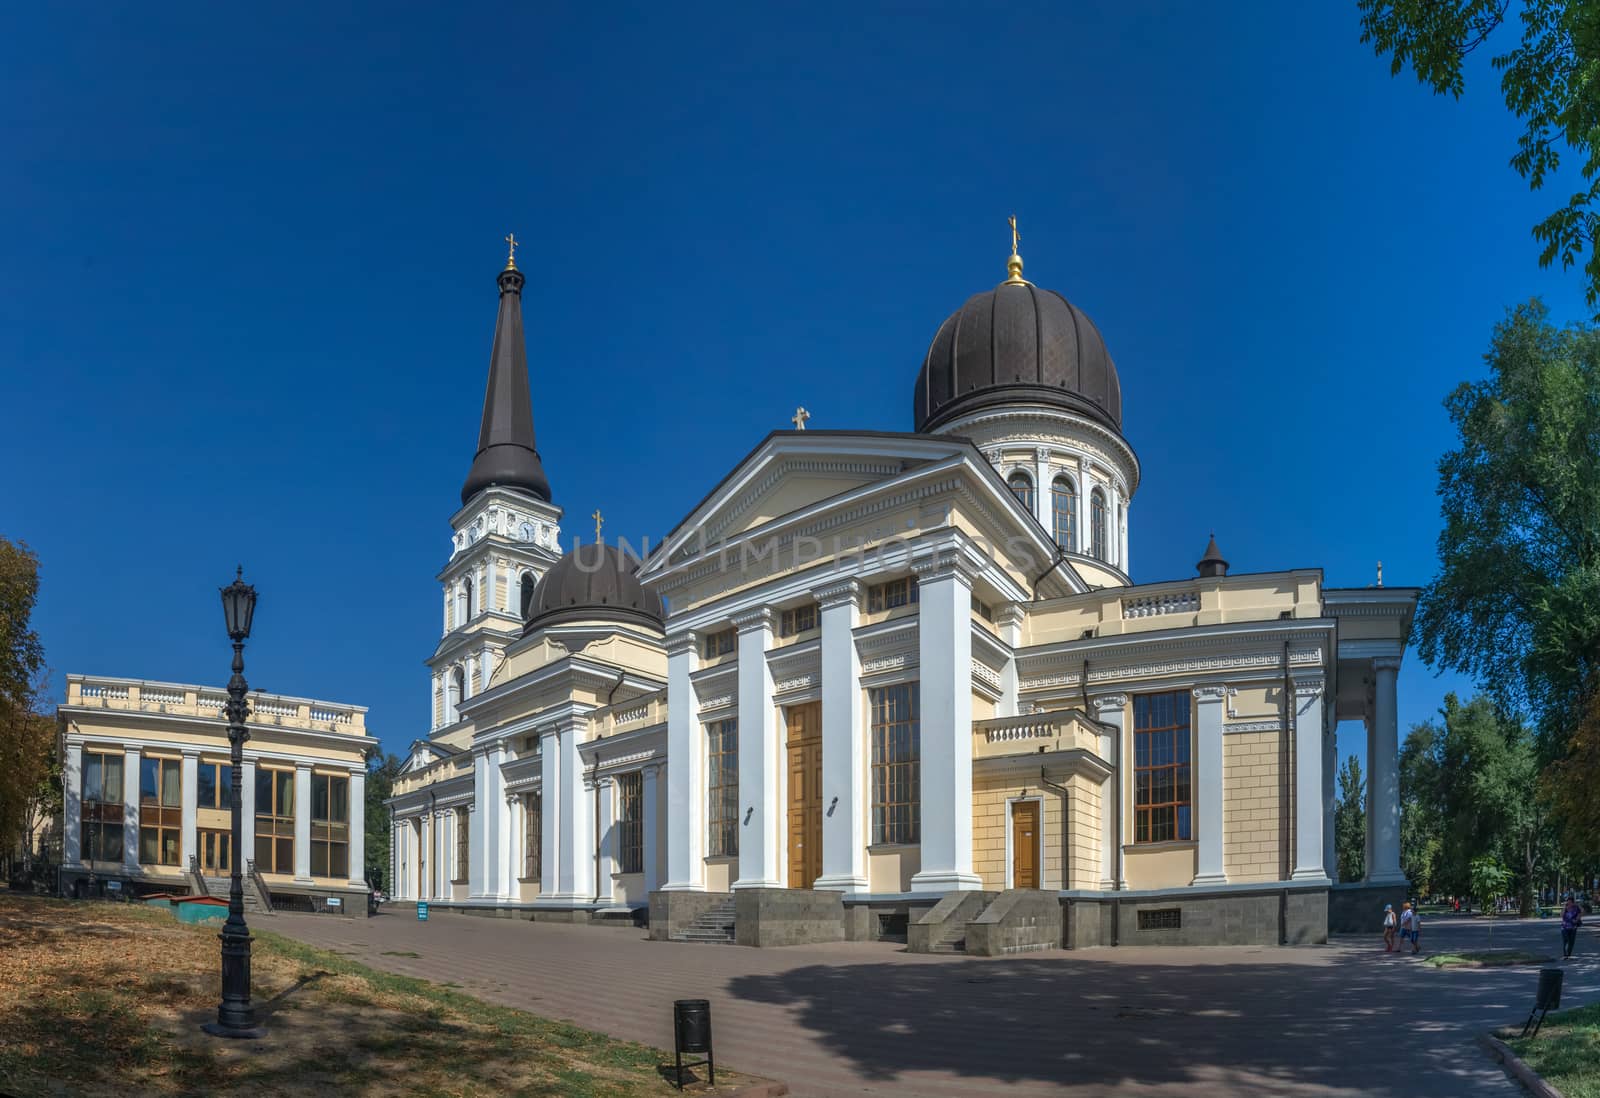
{"points": [[103, 999], [1567, 1051], [1486, 958]]}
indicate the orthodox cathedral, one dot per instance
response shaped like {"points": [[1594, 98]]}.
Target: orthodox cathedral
{"points": [[906, 688]]}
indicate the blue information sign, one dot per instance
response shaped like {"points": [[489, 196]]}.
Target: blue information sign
{"points": [[422, 910]]}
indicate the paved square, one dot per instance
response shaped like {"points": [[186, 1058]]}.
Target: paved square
{"points": [[868, 1018]]}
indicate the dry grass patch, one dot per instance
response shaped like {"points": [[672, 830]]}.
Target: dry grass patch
{"points": [[108, 999]]}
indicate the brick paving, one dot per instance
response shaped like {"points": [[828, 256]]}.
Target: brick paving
{"points": [[869, 1019]]}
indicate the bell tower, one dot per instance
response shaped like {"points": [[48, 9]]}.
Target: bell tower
{"points": [[506, 534]]}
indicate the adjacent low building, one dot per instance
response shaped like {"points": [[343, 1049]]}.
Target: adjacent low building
{"points": [[147, 794]]}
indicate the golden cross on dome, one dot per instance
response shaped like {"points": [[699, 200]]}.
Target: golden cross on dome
{"points": [[511, 259], [1015, 239], [599, 521], [799, 419]]}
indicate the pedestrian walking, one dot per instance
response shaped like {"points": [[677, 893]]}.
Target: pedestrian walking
{"points": [[1388, 928], [1571, 920], [1410, 924]]}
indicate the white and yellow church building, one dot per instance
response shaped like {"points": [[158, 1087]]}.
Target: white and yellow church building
{"points": [[895, 683]]}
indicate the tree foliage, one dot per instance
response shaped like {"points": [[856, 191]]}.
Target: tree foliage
{"points": [[382, 770], [1350, 823], [1516, 602], [1550, 81], [1421, 819], [25, 735]]}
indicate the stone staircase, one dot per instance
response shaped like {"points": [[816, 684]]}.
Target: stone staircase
{"points": [[220, 887], [943, 929], [989, 924], [714, 925]]}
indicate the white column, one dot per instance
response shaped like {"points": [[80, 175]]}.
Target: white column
{"points": [[1127, 565], [1330, 770], [1041, 488], [1111, 710], [302, 820], [945, 671], [759, 810], [510, 847], [1084, 540], [447, 621], [1207, 788], [444, 865], [436, 701], [1009, 621], [1384, 816], [647, 805], [491, 585], [72, 805], [130, 810], [550, 819], [477, 820], [1368, 814], [503, 883], [188, 842], [394, 861], [470, 687], [606, 841], [844, 737], [576, 877], [1114, 524], [247, 815], [1308, 783], [485, 668], [358, 827], [686, 770]]}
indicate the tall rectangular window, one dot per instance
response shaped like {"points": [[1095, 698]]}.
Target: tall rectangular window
{"points": [[330, 826], [721, 643], [896, 764], [895, 593], [630, 822], [463, 847], [214, 785], [532, 835], [274, 820], [101, 817], [160, 811], [722, 787], [799, 619], [1161, 806]]}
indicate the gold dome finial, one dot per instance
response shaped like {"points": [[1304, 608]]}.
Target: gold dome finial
{"points": [[511, 258], [1014, 264]]}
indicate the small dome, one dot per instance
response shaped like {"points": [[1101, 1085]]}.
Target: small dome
{"points": [[1017, 344], [594, 582]]}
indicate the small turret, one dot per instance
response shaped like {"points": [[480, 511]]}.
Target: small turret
{"points": [[1212, 563]]}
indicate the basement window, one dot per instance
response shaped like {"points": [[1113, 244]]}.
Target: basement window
{"points": [[893, 927], [1162, 918]]}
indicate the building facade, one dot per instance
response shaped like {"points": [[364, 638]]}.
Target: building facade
{"points": [[148, 795], [906, 685]]}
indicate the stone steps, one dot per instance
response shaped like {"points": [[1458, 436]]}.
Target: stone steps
{"points": [[714, 926], [220, 887]]}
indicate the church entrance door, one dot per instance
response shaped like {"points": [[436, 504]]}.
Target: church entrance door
{"points": [[804, 723], [1025, 844]]}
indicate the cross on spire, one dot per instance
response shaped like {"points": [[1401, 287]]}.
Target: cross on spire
{"points": [[799, 419], [1015, 239], [511, 258], [599, 520]]}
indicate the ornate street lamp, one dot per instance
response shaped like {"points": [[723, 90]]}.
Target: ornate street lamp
{"points": [[236, 1017]]}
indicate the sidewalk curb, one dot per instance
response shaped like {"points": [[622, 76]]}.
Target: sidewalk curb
{"points": [[1515, 1065], [770, 1090]]}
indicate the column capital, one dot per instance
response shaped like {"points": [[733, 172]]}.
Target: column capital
{"points": [[1008, 615], [759, 617], [1386, 663], [839, 593], [943, 564], [1105, 702], [679, 643], [1211, 692], [1041, 453]]}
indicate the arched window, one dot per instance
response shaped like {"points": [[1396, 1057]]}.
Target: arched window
{"points": [[1022, 487], [526, 590], [466, 599], [1097, 524], [457, 690], [1064, 513]]}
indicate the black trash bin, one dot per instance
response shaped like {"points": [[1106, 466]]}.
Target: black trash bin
{"points": [[691, 1033], [1548, 999]]}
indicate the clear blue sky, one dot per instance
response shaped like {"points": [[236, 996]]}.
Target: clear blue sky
{"points": [[247, 283]]}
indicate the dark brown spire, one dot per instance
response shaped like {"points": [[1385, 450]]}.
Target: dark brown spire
{"points": [[506, 453], [1212, 563]]}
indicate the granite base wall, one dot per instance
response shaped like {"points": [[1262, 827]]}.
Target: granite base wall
{"points": [[671, 912], [1019, 921], [766, 917], [1269, 917], [1358, 908]]}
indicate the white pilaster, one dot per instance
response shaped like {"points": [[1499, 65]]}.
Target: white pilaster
{"points": [[1206, 790], [478, 822], [844, 734], [448, 624], [1308, 783], [550, 819], [130, 810], [1330, 770], [502, 878], [1041, 487], [606, 842], [72, 805], [1113, 525], [444, 870], [1112, 710], [760, 814], [1084, 488], [358, 827], [189, 839], [1127, 564], [652, 868], [1384, 816], [1008, 619], [394, 889], [302, 820], [1368, 814], [686, 774], [576, 877], [247, 815], [944, 641]]}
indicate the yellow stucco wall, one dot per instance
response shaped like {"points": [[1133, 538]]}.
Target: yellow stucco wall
{"points": [[1160, 867], [890, 870], [1251, 800], [721, 873]]}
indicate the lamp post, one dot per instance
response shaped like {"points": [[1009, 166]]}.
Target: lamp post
{"points": [[236, 1017]]}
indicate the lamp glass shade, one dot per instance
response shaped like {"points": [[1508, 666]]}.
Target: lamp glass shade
{"points": [[238, 607]]}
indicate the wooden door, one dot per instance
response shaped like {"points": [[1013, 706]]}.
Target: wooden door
{"points": [[215, 848], [1025, 844], [804, 724]]}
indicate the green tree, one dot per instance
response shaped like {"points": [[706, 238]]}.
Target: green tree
{"points": [[25, 735], [1350, 823], [1550, 81], [382, 770], [1421, 817], [1488, 879], [1516, 602]]}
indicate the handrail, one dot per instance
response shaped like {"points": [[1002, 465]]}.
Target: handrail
{"points": [[260, 882]]}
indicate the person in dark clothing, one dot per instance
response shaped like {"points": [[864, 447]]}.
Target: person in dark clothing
{"points": [[1571, 920]]}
